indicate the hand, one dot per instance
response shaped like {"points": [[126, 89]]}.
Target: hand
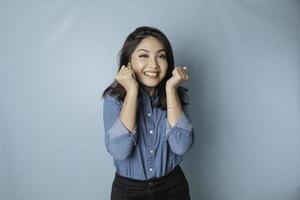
{"points": [[179, 75], [126, 77]]}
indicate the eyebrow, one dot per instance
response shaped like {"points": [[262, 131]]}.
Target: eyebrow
{"points": [[148, 51]]}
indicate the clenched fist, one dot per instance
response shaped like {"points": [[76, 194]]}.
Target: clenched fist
{"points": [[126, 78], [179, 75]]}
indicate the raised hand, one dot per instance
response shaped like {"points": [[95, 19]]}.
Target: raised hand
{"points": [[179, 75], [126, 77]]}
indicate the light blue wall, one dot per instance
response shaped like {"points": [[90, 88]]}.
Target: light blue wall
{"points": [[56, 57]]}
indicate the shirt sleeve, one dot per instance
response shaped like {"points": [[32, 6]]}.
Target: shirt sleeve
{"points": [[119, 141], [181, 136]]}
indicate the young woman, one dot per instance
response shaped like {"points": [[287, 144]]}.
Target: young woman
{"points": [[147, 128]]}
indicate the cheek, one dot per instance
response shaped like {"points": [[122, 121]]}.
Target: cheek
{"points": [[164, 68], [163, 73], [137, 66]]}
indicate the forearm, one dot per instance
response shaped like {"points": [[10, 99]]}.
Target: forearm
{"points": [[174, 108], [128, 111]]}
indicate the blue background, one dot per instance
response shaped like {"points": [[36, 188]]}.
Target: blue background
{"points": [[56, 58]]}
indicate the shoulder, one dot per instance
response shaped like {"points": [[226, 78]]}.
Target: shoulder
{"points": [[109, 99]]}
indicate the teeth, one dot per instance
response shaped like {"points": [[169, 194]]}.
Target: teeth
{"points": [[151, 74]]}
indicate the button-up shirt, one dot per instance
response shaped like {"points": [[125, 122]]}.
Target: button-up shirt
{"points": [[153, 148]]}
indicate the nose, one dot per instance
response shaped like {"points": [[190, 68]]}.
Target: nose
{"points": [[153, 63]]}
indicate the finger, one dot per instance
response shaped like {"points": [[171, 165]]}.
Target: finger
{"points": [[181, 72], [185, 68], [184, 71], [176, 72], [133, 75], [123, 67], [129, 65]]}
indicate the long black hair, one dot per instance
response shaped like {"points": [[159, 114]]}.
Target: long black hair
{"points": [[131, 42]]}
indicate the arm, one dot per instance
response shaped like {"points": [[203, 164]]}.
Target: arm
{"points": [[174, 107], [179, 130], [128, 112], [120, 125]]}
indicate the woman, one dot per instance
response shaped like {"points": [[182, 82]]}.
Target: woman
{"points": [[147, 128]]}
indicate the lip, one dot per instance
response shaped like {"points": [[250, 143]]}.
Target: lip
{"points": [[152, 77], [152, 71]]}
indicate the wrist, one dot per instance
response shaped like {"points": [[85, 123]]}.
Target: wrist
{"points": [[132, 91], [170, 89]]}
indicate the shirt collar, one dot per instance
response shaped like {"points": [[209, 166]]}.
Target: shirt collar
{"points": [[144, 93]]}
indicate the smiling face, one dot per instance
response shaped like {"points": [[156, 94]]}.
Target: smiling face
{"points": [[149, 63]]}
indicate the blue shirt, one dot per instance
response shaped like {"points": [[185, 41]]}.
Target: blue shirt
{"points": [[153, 148]]}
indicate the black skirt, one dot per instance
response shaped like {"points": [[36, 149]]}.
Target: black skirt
{"points": [[172, 186]]}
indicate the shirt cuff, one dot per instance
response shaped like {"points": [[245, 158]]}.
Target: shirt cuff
{"points": [[182, 125], [119, 130]]}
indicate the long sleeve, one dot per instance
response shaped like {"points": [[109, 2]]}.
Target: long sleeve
{"points": [[181, 136], [119, 141]]}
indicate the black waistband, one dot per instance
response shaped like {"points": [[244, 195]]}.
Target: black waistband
{"points": [[176, 171]]}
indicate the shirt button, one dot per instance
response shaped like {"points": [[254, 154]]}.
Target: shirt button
{"points": [[150, 169], [151, 151], [151, 132], [149, 114]]}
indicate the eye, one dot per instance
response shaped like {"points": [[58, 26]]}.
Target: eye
{"points": [[163, 56], [143, 56]]}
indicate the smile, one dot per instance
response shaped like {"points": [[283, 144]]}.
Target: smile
{"points": [[151, 74]]}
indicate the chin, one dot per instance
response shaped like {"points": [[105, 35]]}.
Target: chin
{"points": [[150, 83]]}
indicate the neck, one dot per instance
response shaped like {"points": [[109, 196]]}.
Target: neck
{"points": [[150, 90]]}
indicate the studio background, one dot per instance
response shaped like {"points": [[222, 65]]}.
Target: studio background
{"points": [[56, 58]]}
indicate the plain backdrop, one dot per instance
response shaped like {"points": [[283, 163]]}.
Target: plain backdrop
{"points": [[56, 58]]}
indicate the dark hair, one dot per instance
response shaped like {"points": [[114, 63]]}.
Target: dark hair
{"points": [[131, 42]]}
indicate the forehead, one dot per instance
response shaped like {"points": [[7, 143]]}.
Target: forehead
{"points": [[151, 44]]}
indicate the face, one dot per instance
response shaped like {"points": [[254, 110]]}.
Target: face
{"points": [[149, 63]]}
